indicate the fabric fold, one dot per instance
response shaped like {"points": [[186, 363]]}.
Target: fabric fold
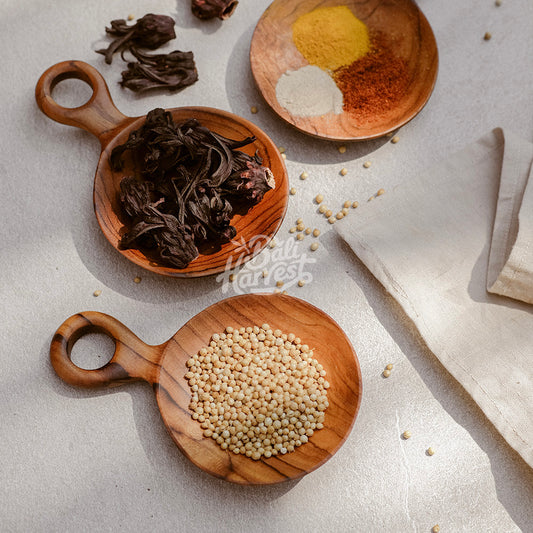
{"points": [[434, 242]]}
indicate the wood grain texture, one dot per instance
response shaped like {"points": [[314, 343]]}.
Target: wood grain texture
{"points": [[164, 367], [272, 52], [100, 117]]}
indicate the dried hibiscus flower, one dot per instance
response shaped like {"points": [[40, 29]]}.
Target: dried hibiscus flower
{"points": [[190, 183], [150, 31], [208, 9], [174, 71]]}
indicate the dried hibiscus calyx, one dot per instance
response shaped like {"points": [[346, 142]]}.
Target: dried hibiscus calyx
{"points": [[150, 31], [208, 9], [174, 71], [190, 182]]}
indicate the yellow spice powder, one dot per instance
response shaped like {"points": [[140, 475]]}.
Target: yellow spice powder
{"points": [[331, 37]]}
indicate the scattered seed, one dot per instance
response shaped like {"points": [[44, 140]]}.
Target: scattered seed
{"points": [[389, 366], [254, 109], [293, 191], [347, 204], [137, 279], [344, 171], [380, 192], [281, 149], [498, 3], [97, 292], [332, 220], [279, 283], [395, 139], [329, 213], [276, 291], [272, 243], [232, 277], [435, 528], [314, 246], [342, 148], [430, 451], [300, 236], [292, 230], [319, 198], [339, 215], [284, 292], [300, 227], [355, 205], [131, 16], [487, 36], [308, 231], [386, 373], [301, 283], [370, 199], [367, 164], [300, 221], [406, 434], [345, 211], [322, 209], [265, 273], [283, 156], [304, 175], [316, 232]]}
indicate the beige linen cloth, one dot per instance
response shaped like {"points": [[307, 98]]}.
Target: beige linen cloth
{"points": [[454, 246]]}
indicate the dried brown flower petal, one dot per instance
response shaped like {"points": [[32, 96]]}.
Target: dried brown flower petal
{"points": [[208, 9], [173, 71], [150, 31]]}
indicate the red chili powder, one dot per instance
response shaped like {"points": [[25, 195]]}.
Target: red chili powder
{"points": [[372, 85]]}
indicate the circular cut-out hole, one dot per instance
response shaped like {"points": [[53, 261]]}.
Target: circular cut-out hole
{"points": [[92, 351], [72, 93]]}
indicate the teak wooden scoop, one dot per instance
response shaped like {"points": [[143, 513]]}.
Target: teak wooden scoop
{"points": [[164, 368], [100, 117], [273, 52]]}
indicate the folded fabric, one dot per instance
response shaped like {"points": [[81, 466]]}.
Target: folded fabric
{"points": [[510, 270], [428, 241]]}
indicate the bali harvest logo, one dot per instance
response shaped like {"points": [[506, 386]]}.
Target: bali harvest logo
{"points": [[283, 264]]}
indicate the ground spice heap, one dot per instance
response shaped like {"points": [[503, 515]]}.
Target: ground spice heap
{"points": [[257, 391], [330, 37], [375, 83]]}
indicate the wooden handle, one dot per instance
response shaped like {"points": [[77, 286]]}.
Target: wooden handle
{"points": [[98, 115], [132, 360]]}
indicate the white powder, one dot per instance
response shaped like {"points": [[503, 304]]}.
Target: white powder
{"points": [[308, 91]]}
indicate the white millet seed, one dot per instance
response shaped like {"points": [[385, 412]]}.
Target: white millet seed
{"points": [[395, 139], [380, 192], [253, 109], [319, 198], [386, 373], [339, 215], [304, 175], [293, 191], [322, 209], [97, 292], [355, 205], [342, 149], [254, 398], [406, 434], [316, 232], [347, 204], [367, 164], [314, 246], [344, 171], [430, 451], [332, 220], [300, 236], [137, 279], [435, 528], [308, 231]]}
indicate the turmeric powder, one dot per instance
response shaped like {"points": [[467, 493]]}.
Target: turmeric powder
{"points": [[331, 37]]}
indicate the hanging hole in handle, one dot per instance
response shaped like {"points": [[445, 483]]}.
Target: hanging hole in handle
{"points": [[92, 350], [72, 90]]}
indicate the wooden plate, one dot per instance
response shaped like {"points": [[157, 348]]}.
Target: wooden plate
{"points": [[164, 368], [100, 117], [273, 52]]}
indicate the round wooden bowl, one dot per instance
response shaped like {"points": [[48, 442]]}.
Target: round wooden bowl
{"points": [[164, 368], [273, 52], [100, 117]]}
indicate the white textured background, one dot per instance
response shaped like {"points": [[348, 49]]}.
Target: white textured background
{"points": [[75, 460]]}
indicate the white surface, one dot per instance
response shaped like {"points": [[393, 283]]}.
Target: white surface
{"points": [[77, 460]]}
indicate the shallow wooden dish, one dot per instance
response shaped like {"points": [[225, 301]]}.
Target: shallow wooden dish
{"points": [[100, 117], [164, 368], [273, 52]]}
